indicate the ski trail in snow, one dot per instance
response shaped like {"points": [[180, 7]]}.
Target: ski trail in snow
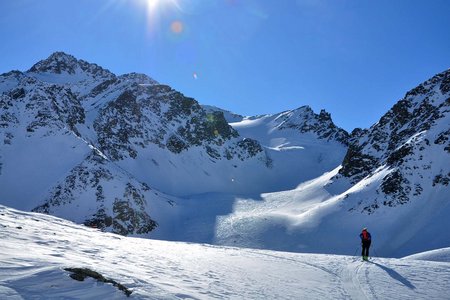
{"points": [[368, 282], [317, 266], [351, 282], [340, 278]]}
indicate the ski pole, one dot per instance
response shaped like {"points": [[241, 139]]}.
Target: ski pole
{"points": [[376, 254], [354, 254]]}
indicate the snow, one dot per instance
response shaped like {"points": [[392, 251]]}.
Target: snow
{"points": [[297, 203], [36, 163], [154, 269], [318, 216], [442, 255], [297, 157]]}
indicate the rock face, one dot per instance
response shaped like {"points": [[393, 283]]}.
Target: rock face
{"points": [[161, 116], [411, 140]]}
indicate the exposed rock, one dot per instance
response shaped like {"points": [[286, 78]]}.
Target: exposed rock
{"points": [[305, 120], [441, 179], [396, 186], [80, 274], [357, 164]]}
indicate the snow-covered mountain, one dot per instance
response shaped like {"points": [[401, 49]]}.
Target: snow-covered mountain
{"points": [[326, 213], [73, 132], [67, 261], [394, 179], [133, 156], [76, 135], [411, 141]]}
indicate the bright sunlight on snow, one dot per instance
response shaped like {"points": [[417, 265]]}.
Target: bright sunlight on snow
{"points": [[37, 249]]}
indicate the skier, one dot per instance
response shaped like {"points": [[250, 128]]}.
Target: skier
{"points": [[366, 239]]}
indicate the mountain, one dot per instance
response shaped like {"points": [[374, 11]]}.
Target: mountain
{"points": [[296, 140], [70, 129], [78, 137], [69, 261], [394, 179], [132, 156], [411, 140], [62, 68]]}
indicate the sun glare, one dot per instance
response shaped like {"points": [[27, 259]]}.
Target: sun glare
{"points": [[156, 10], [154, 5]]}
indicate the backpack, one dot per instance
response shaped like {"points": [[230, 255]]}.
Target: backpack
{"points": [[365, 235]]}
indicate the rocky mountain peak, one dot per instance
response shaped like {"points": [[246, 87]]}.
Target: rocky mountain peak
{"points": [[305, 120], [63, 63], [58, 63]]}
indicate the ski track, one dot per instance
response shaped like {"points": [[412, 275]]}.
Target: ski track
{"points": [[351, 284], [347, 277], [368, 282]]}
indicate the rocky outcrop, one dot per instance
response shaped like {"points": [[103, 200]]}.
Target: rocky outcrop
{"points": [[80, 274], [158, 115]]}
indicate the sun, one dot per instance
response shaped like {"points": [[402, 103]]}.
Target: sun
{"points": [[156, 10], [154, 5]]}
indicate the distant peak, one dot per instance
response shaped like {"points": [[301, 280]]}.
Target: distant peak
{"points": [[60, 62], [60, 55], [304, 108], [302, 112], [305, 120]]}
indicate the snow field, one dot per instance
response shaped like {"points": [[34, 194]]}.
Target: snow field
{"points": [[173, 270]]}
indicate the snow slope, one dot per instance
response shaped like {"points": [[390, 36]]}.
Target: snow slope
{"points": [[394, 179], [153, 269], [316, 217], [301, 144], [442, 255]]}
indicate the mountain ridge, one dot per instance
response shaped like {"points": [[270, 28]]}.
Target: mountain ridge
{"points": [[133, 156], [118, 119]]}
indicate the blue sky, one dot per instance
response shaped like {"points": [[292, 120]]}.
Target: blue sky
{"points": [[353, 58]]}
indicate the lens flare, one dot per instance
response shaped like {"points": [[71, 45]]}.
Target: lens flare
{"points": [[176, 27]]}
